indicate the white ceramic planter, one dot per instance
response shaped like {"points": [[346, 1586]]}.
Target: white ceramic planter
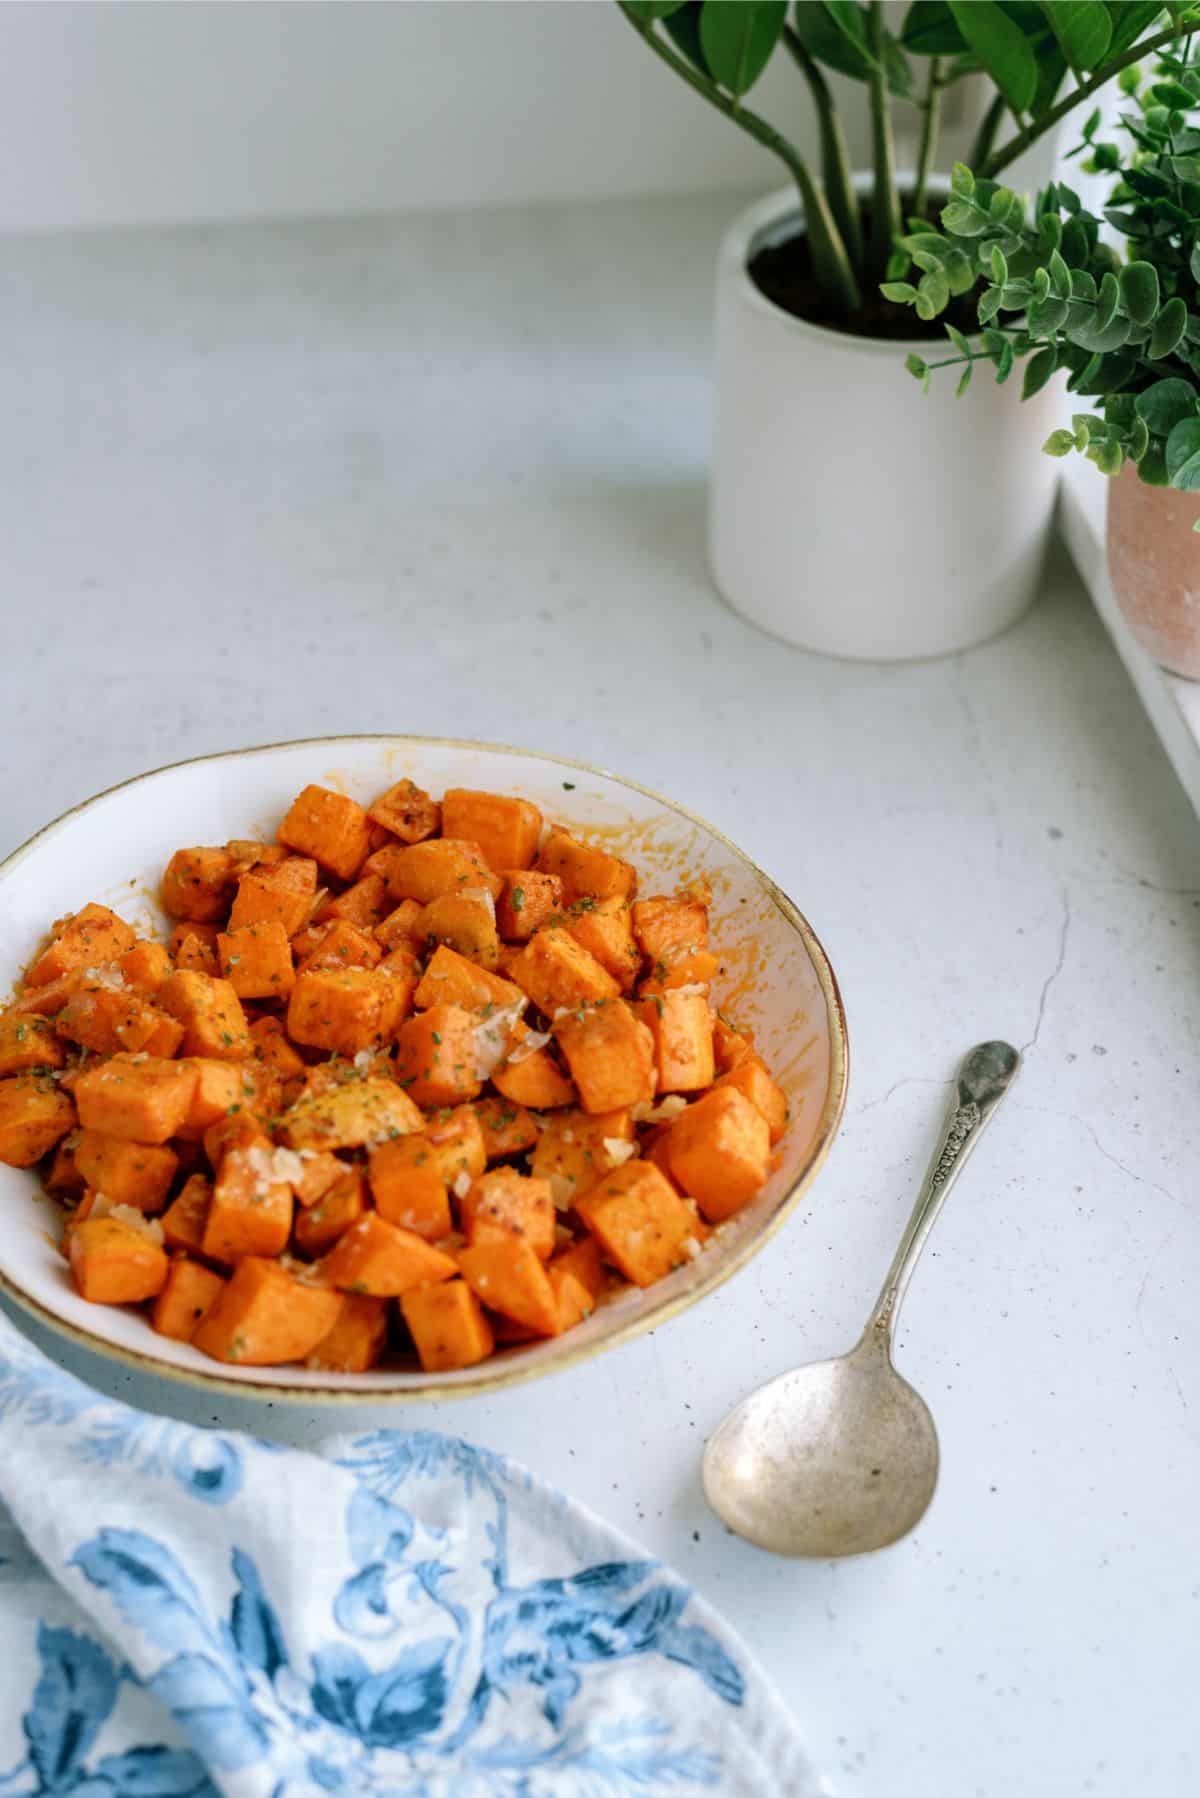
{"points": [[850, 512]]}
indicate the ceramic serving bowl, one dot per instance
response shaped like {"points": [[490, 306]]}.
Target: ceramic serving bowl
{"points": [[777, 982]]}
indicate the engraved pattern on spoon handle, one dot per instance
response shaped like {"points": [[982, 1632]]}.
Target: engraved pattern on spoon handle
{"points": [[985, 1076]]}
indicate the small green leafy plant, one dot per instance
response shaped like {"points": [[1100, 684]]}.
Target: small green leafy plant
{"points": [[720, 48], [1056, 295]]}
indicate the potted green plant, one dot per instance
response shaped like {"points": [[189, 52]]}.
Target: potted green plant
{"points": [[1124, 324], [843, 517]]}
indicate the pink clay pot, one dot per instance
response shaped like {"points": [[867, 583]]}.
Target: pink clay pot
{"points": [[1154, 564]]}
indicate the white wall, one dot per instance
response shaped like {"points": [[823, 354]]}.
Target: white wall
{"points": [[136, 113]]}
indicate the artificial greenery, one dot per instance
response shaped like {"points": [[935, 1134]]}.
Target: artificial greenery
{"points": [[1027, 51], [1126, 328]]}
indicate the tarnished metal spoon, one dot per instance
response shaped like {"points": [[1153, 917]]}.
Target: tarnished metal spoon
{"points": [[841, 1456]]}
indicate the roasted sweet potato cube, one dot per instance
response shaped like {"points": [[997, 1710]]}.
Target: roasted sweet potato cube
{"points": [[574, 1150], [729, 1045], [610, 1053], [330, 827], [284, 893], [115, 1263], [450, 979], [27, 1041], [319, 1171], [505, 829], [251, 852], [680, 965], [357, 1340], [378, 1258], [351, 1116], [510, 1204], [107, 1019], [345, 1009], [577, 1277], [448, 1326], [34, 1115], [211, 1014], [128, 1173], [661, 923], [63, 1178], [338, 944], [239, 1130], [143, 1098], [436, 1056], [531, 1076], [185, 1217], [93, 936], [198, 884], [189, 1291], [409, 1188], [364, 903], [720, 1152], [465, 922], [222, 1090], [528, 900], [681, 1024], [272, 1048], [506, 1274], [603, 928], [639, 1220], [194, 948], [47, 1000], [752, 1079], [318, 1228], [256, 960], [263, 1317], [507, 1129], [556, 972], [407, 812], [144, 968], [585, 872], [398, 930], [425, 871], [251, 1210]]}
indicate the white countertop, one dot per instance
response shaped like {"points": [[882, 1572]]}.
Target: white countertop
{"points": [[446, 475]]}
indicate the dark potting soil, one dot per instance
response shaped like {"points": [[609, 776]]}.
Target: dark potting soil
{"points": [[783, 272]]}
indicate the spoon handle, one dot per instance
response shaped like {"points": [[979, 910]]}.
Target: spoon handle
{"points": [[983, 1079]]}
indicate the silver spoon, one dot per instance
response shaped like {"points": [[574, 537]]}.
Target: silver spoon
{"points": [[841, 1456]]}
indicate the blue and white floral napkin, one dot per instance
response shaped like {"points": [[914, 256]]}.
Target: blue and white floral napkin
{"points": [[185, 1613]]}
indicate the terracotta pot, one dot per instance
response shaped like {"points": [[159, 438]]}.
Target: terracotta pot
{"points": [[1154, 564]]}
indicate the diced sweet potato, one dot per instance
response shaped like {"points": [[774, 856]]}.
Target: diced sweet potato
{"points": [[751, 1078], [113, 1263], [34, 1115], [338, 944], [356, 1341], [189, 1291], [251, 852], [63, 1178], [351, 1116], [222, 1090], [284, 894], [345, 1009], [577, 1278], [505, 829], [194, 953], [263, 1317], [27, 1041], [556, 972], [639, 1220], [681, 1024], [143, 1098], [610, 1053], [407, 812], [330, 827], [720, 1152], [506, 1203], [378, 1258], [584, 870], [320, 1171], [448, 1326], [128, 1173], [144, 968], [364, 904], [436, 1055], [465, 923], [257, 960], [399, 929], [661, 923], [239, 1130], [272, 1048], [603, 928], [318, 1228], [93, 936], [450, 979], [529, 898], [425, 871], [507, 1129], [204, 933], [108, 1019], [575, 1150], [411, 1177], [211, 1014], [198, 884], [729, 1045], [166, 1038], [47, 1001], [507, 1275], [680, 965], [184, 1219], [251, 1211], [532, 1077]]}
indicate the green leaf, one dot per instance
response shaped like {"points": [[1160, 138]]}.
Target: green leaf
{"points": [[989, 305], [964, 381], [1139, 440], [1059, 443], [963, 219], [1050, 230], [1047, 315], [1183, 455], [1038, 371], [929, 30], [1108, 457], [998, 265], [1001, 47], [828, 43], [649, 10], [737, 37], [1076, 247], [1083, 28], [1168, 331], [901, 293], [1107, 301], [1060, 275], [1166, 404], [1139, 290], [683, 29], [1174, 95], [1007, 208], [1041, 284], [959, 341], [897, 265], [933, 295], [1130, 19], [962, 181], [959, 272], [1194, 261], [916, 365]]}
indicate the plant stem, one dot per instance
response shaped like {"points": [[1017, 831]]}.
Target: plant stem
{"points": [[1016, 146], [885, 202], [835, 157], [932, 110], [831, 264]]}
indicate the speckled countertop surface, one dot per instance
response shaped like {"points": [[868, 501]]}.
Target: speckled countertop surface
{"points": [[446, 475]]}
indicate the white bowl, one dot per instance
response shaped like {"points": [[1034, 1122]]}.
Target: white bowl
{"points": [[112, 849]]}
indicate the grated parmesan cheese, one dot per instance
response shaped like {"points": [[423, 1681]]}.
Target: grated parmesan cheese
{"points": [[562, 1191], [108, 976], [364, 1058], [481, 896], [529, 1045], [618, 1150], [662, 1113], [462, 1184], [275, 1166], [492, 1037], [103, 1206]]}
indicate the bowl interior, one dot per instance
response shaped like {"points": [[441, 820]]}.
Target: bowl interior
{"points": [[112, 849]]}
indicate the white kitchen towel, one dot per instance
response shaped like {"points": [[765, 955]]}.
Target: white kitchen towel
{"points": [[185, 1613]]}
